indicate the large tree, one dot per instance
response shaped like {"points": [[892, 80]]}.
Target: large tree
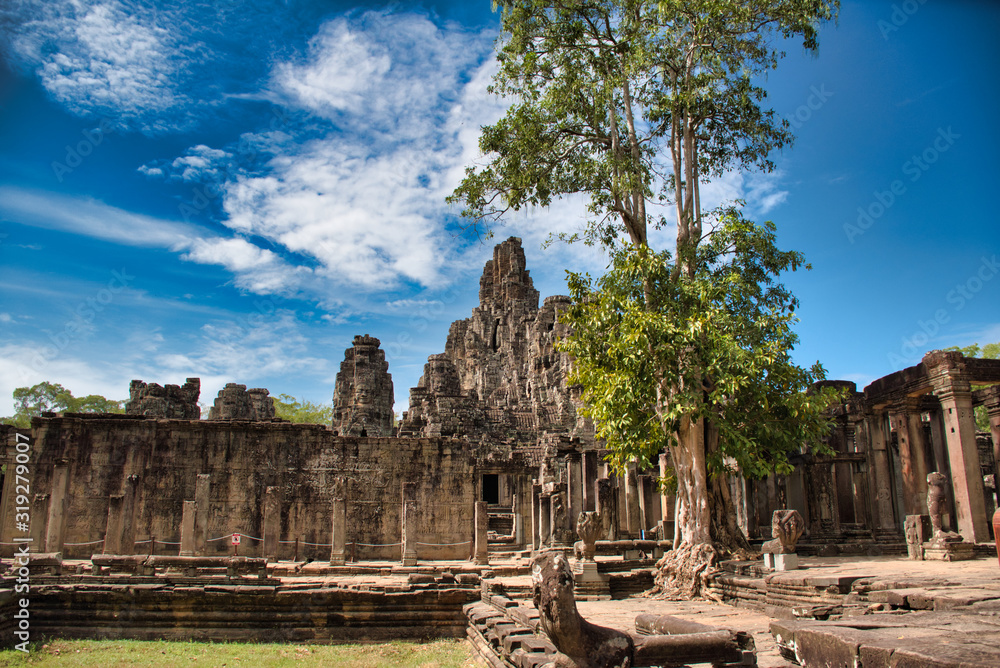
{"points": [[636, 104], [32, 401]]}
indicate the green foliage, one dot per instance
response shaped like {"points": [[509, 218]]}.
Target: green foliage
{"points": [[289, 408], [32, 401], [990, 351], [650, 350], [604, 92]]}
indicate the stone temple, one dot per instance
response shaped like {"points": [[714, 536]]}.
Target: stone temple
{"points": [[492, 419], [491, 457]]}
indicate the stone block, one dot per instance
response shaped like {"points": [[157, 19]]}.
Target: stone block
{"points": [[786, 562]]}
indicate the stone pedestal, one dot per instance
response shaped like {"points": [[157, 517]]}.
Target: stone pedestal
{"points": [[949, 551], [588, 583], [781, 562]]}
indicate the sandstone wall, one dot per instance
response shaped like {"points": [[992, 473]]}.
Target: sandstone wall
{"points": [[98, 454]]}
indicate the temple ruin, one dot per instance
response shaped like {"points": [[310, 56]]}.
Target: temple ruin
{"points": [[492, 420], [491, 464]]}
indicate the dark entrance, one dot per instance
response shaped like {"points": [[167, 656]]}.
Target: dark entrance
{"points": [[491, 488]]}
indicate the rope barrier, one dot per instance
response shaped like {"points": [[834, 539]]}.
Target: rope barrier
{"points": [[165, 542], [464, 542], [377, 544], [93, 542], [219, 538], [251, 537], [140, 542], [318, 544]]}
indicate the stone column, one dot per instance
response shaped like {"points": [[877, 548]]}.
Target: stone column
{"points": [[590, 466], [482, 525], [951, 386], [574, 467], [606, 507], [409, 529], [338, 526], [667, 498], [967, 486], [545, 520], [885, 522], [202, 487], [272, 522], [904, 419], [522, 509], [129, 503], [536, 517], [187, 529], [992, 405], [113, 530], [632, 513], [57, 507]]}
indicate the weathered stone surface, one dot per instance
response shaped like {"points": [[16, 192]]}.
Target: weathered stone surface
{"points": [[500, 381], [235, 402], [943, 640], [581, 644], [363, 395], [164, 401], [152, 466]]}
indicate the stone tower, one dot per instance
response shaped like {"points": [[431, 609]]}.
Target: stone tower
{"points": [[165, 401], [235, 402], [362, 396], [500, 378]]}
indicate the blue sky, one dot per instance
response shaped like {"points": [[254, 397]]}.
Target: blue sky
{"points": [[234, 190]]}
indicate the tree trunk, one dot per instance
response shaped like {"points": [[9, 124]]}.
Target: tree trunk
{"points": [[706, 517]]}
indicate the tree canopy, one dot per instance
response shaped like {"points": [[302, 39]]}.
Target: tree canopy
{"points": [[32, 401], [635, 104], [300, 410]]}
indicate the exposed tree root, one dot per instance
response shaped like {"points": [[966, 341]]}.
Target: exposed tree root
{"points": [[683, 573]]}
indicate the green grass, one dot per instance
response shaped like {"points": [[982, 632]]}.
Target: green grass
{"points": [[123, 653]]}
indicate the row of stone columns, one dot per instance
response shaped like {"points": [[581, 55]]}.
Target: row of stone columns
{"points": [[627, 505]]}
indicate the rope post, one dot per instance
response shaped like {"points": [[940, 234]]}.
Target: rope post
{"points": [[296, 549], [152, 545]]}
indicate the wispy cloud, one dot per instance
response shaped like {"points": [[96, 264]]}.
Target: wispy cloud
{"points": [[102, 58], [255, 269]]}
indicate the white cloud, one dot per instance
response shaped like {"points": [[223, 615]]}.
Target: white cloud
{"points": [[104, 58], [199, 163], [366, 202], [6, 318], [411, 304], [255, 269], [92, 218]]}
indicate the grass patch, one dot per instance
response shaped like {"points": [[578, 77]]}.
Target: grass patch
{"points": [[125, 653]]}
